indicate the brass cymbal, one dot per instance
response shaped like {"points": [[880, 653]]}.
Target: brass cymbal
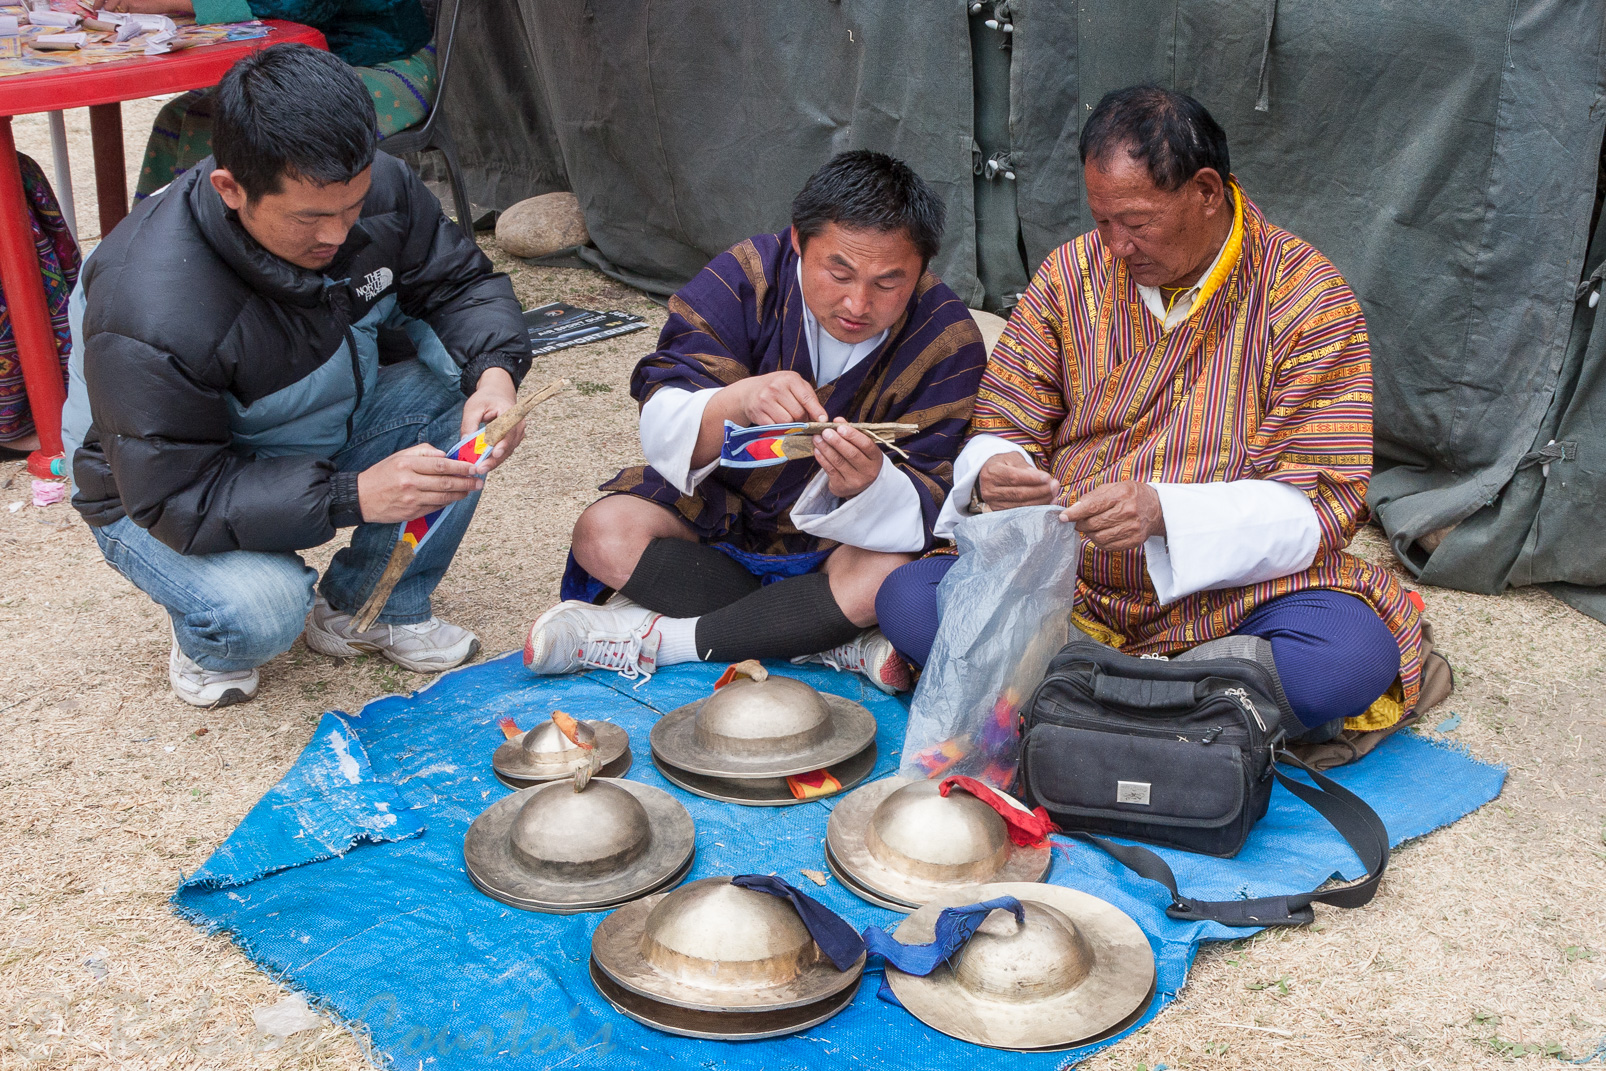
{"points": [[552, 849], [901, 839], [764, 792], [772, 728], [545, 754], [617, 768], [724, 1026], [1074, 970], [711, 946]]}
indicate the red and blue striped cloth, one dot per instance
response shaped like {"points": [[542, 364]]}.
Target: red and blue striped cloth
{"points": [[416, 531]]}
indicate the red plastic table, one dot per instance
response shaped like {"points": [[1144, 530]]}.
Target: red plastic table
{"points": [[102, 88]]}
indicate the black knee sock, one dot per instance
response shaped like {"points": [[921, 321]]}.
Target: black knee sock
{"points": [[680, 578], [791, 617]]}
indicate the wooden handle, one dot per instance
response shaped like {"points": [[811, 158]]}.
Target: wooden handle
{"points": [[894, 431], [401, 556], [496, 429]]}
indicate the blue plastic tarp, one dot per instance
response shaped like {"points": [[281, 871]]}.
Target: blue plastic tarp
{"points": [[346, 882]]}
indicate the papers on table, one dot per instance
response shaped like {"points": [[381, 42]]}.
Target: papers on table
{"points": [[58, 42], [8, 26], [61, 19]]}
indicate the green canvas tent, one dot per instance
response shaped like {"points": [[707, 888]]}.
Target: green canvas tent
{"points": [[1445, 155]]}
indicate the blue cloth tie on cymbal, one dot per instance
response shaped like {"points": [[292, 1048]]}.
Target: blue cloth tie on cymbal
{"points": [[830, 931], [954, 926]]}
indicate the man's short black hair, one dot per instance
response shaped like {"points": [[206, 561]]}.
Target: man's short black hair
{"points": [[292, 110], [1170, 132], [864, 190]]}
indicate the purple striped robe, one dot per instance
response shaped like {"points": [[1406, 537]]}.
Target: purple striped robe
{"points": [[743, 316]]}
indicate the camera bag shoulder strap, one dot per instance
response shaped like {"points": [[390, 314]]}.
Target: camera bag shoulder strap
{"points": [[1349, 814]]}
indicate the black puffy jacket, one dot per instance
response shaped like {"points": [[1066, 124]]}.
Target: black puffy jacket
{"points": [[188, 321]]}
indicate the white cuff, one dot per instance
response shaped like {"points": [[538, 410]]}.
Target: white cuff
{"points": [[1229, 535], [885, 516], [670, 423], [967, 466]]}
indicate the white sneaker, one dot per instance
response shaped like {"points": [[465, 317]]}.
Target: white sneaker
{"points": [[871, 654], [574, 635], [207, 688], [427, 647]]}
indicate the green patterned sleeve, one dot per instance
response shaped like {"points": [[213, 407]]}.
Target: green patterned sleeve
{"points": [[211, 11]]}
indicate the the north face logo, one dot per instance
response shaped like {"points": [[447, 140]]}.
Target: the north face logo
{"points": [[377, 283]]}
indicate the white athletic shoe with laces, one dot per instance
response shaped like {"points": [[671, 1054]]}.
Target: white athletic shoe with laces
{"points": [[426, 647], [575, 635], [871, 654], [208, 688]]}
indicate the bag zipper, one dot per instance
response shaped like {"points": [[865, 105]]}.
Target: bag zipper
{"points": [[1209, 736], [1242, 696], [1239, 697]]}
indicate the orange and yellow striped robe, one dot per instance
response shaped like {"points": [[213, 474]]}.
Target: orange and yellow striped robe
{"points": [[1269, 378]]}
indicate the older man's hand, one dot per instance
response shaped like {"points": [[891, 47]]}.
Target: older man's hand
{"points": [[1117, 516], [1009, 480]]}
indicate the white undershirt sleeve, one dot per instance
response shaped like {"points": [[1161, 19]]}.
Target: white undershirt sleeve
{"points": [[670, 423], [967, 466], [1229, 535], [885, 516]]}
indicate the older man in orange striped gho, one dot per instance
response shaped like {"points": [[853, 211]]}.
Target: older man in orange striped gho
{"points": [[1194, 384]]}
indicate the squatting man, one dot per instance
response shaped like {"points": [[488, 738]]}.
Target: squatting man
{"points": [[227, 406]]}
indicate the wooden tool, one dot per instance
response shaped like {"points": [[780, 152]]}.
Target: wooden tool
{"points": [[402, 555], [799, 442]]}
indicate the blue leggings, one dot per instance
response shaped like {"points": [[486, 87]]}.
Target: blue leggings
{"points": [[1333, 653]]}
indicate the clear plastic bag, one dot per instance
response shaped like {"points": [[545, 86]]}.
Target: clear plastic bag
{"points": [[1005, 610]]}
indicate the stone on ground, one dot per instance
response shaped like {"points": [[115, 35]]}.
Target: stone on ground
{"points": [[538, 226]]}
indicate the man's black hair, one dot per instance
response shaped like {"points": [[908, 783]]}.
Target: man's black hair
{"points": [[292, 110], [1170, 132], [864, 190]]}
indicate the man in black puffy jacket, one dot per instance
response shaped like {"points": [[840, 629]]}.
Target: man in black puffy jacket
{"points": [[227, 405]]}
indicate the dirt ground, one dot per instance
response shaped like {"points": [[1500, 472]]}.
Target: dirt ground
{"points": [[1486, 944]]}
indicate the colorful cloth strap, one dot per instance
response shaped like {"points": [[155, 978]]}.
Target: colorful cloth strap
{"points": [[416, 531], [1027, 828], [756, 447], [830, 931], [954, 926], [813, 785]]}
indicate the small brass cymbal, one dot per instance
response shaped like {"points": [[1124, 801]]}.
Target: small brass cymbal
{"points": [[545, 754]]}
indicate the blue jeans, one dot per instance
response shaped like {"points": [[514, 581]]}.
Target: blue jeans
{"points": [[238, 609], [1334, 654]]}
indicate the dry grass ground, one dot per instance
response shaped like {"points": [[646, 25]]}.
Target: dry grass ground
{"points": [[1487, 943]]}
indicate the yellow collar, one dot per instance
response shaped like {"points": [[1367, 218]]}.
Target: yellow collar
{"points": [[1229, 253]]}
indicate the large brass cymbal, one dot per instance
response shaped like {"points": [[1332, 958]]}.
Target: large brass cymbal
{"points": [[545, 754], [772, 728], [764, 792], [1074, 970], [711, 946], [901, 839], [550, 848]]}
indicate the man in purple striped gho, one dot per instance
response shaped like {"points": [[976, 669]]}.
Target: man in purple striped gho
{"points": [[835, 318], [1194, 385]]}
